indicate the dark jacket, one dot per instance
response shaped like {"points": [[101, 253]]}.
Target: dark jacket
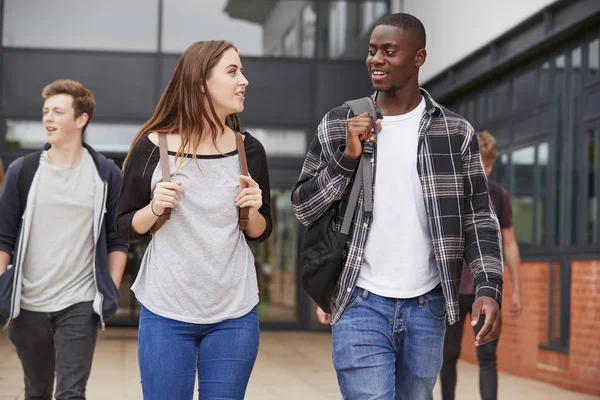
{"points": [[15, 223]]}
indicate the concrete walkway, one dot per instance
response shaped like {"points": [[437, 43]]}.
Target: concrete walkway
{"points": [[290, 366]]}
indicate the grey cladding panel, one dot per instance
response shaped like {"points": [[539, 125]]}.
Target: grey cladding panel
{"points": [[279, 91], [339, 82], [123, 85]]}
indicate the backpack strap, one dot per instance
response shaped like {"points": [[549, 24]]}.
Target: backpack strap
{"points": [[359, 106], [163, 149], [166, 177], [244, 212], [31, 163]]}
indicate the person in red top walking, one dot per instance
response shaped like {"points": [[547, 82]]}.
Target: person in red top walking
{"points": [[486, 353]]}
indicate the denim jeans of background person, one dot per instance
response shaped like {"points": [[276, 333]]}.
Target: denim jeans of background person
{"points": [[430, 210]]}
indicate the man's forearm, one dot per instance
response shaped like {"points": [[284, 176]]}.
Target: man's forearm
{"points": [[116, 266], [4, 261], [513, 259]]}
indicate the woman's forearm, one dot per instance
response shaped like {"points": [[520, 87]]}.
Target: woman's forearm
{"points": [[143, 220]]}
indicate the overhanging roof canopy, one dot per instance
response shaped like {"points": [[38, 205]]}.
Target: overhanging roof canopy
{"points": [[255, 11]]}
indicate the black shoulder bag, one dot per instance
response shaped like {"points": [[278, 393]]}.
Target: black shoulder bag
{"points": [[324, 252]]}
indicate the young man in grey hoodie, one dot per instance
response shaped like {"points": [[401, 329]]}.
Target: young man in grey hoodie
{"points": [[61, 261]]}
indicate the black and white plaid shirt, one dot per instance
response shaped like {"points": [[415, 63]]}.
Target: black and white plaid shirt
{"points": [[462, 222]]}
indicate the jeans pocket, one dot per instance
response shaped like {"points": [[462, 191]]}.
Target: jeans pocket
{"points": [[436, 306], [357, 296]]}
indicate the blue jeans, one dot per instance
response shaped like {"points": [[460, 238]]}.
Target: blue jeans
{"points": [[170, 352], [388, 349]]}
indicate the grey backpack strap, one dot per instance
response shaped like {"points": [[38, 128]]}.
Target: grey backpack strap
{"points": [[359, 106], [363, 105]]}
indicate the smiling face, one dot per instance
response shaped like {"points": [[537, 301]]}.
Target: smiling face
{"points": [[60, 122], [395, 56], [227, 84]]}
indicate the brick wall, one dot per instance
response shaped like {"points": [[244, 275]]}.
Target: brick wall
{"points": [[519, 352]]}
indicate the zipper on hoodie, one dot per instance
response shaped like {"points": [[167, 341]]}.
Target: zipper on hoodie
{"points": [[102, 323], [16, 266]]}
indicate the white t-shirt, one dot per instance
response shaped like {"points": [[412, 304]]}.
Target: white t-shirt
{"points": [[398, 260]]}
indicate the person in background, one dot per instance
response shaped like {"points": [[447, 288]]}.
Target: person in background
{"points": [[486, 353], [61, 262]]}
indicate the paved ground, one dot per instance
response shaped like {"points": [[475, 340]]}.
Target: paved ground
{"points": [[290, 366]]}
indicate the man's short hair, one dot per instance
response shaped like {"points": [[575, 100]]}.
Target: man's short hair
{"points": [[406, 22], [83, 99], [487, 146]]}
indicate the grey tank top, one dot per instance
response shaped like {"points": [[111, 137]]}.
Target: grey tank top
{"points": [[198, 267]]}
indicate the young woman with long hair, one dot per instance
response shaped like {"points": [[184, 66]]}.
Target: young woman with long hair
{"points": [[197, 284]]}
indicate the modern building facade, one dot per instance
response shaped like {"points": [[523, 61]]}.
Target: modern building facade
{"points": [[527, 71], [125, 52]]}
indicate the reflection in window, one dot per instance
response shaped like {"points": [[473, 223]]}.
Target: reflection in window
{"points": [[244, 24], [281, 142], [337, 28], [523, 162], [276, 263], [594, 57], [65, 24], [371, 12], [101, 136], [309, 27], [290, 42], [25, 134], [542, 201], [593, 161]]}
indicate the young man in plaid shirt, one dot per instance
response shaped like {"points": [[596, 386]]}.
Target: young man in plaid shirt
{"points": [[431, 209]]}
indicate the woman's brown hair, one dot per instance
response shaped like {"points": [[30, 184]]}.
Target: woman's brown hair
{"points": [[181, 108]]}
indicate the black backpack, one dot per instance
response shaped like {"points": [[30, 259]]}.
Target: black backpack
{"points": [[324, 252], [30, 165]]}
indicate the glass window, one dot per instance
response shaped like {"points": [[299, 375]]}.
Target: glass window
{"points": [[276, 263], [593, 161], [281, 142], [481, 116], [248, 25], [25, 134], [337, 28], [523, 162], [64, 24], [101, 136], [111, 137], [594, 57], [500, 171], [471, 111], [524, 91], [371, 12], [544, 83], [502, 103], [542, 201], [290, 42], [346, 26], [309, 27]]}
